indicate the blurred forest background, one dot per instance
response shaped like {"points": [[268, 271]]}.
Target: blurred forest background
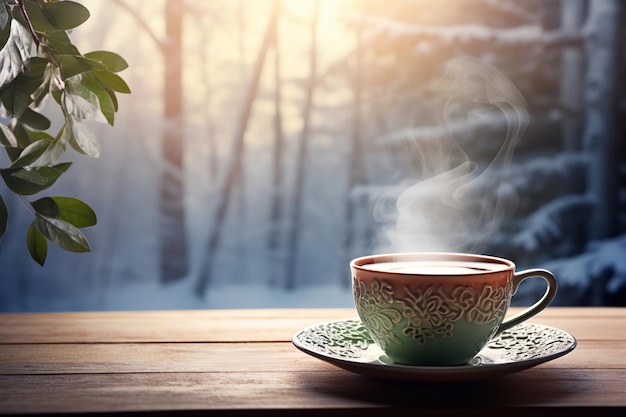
{"points": [[268, 142]]}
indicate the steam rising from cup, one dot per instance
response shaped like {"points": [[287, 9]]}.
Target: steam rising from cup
{"points": [[456, 202]]}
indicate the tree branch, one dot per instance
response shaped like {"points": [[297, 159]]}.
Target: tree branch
{"points": [[471, 33], [28, 22], [142, 24]]}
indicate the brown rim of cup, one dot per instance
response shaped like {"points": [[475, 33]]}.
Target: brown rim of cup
{"points": [[361, 263]]}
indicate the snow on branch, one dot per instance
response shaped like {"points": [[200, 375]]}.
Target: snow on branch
{"points": [[536, 174], [549, 223], [595, 275], [461, 130], [466, 34]]}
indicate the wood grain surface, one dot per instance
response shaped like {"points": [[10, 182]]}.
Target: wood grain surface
{"points": [[242, 362]]}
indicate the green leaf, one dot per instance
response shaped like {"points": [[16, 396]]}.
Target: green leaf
{"points": [[30, 181], [31, 153], [36, 66], [35, 120], [22, 134], [26, 137], [106, 104], [44, 73], [47, 207], [19, 92], [68, 209], [112, 96], [18, 48], [37, 244], [80, 102], [44, 88], [6, 98], [76, 212], [57, 96], [112, 80], [60, 43], [35, 135], [5, 25], [72, 65], [36, 17], [109, 91], [56, 148], [65, 14], [7, 137], [5, 17], [84, 140], [111, 60], [4, 216], [62, 233]]}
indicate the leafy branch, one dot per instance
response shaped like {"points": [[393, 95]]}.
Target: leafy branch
{"points": [[37, 61]]}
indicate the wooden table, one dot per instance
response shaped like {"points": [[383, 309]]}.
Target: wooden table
{"points": [[242, 362]]}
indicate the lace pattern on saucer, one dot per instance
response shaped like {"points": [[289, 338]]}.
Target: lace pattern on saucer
{"points": [[528, 341], [342, 339]]}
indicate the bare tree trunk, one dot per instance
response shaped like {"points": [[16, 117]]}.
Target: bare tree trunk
{"points": [[620, 150], [356, 174], [240, 208], [273, 242], [572, 76], [294, 235], [234, 167], [600, 140], [571, 97], [213, 150], [173, 240]]}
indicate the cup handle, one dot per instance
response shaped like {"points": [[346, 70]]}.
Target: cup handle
{"points": [[543, 302]]}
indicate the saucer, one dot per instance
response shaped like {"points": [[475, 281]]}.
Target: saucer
{"points": [[346, 344]]}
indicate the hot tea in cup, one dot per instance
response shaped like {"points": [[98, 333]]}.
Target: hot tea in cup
{"points": [[434, 309]]}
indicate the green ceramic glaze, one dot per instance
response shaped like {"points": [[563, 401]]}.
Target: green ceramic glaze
{"points": [[454, 348]]}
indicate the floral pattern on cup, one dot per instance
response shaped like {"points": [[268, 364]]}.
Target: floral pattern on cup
{"points": [[429, 312], [375, 308]]}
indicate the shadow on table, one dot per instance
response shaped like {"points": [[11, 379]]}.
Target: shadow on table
{"points": [[542, 387]]}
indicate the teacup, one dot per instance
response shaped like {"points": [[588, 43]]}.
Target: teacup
{"points": [[439, 309]]}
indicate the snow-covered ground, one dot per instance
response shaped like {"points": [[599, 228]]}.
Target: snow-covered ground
{"points": [[596, 277], [180, 296]]}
